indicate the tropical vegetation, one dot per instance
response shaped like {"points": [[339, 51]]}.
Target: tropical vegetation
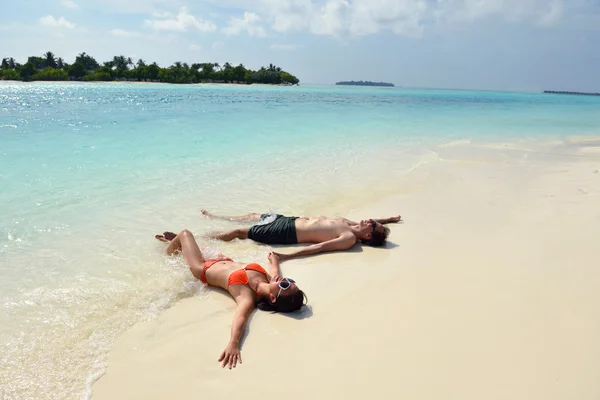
{"points": [[121, 68]]}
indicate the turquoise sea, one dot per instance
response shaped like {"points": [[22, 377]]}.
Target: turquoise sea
{"points": [[90, 172]]}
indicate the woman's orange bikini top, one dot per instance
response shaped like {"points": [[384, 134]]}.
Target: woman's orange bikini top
{"points": [[240, 277]]}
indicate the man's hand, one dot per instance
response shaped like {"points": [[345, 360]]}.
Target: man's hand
{"points": [[394, 219], [230, 356], [279, 257]]}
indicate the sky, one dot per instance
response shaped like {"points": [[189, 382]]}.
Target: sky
{"points": [[516, 45]]}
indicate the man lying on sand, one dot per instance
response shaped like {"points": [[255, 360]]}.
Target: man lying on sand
{"points": [[326, 234]]}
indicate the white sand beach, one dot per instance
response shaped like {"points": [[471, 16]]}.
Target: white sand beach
{"points": [[487, 290]]}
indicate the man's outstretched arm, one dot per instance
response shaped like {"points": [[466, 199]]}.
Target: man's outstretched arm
{"points": [[382, 221], [389, 220], [343, 242]]}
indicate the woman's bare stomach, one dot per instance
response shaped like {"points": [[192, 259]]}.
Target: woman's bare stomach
{"points": [[218, 273]]}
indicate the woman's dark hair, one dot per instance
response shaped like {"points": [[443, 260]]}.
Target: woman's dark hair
{"points": [[284, 304]]}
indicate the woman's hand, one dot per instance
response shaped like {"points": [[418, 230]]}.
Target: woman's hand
{"points": [[274, 258], [230, 356]]}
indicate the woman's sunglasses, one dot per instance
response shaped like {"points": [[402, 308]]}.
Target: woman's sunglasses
{"points": [[285, 285]]}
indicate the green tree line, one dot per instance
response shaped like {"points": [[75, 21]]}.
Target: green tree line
{"points": [[86, 68]]}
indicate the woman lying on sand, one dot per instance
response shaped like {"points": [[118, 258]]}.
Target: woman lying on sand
{"points": [[249, 284]]}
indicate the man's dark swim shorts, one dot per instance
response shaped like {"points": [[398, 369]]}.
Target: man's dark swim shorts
{"points": [[281, 230]]}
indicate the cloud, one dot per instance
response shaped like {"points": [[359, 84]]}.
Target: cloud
{"points": [[194, 47], [284, 47], [553, 14], [182, 22], [402, 17], [138, 7], [122, 33], [218, 45], [330, 18], [342, 17], [526, 11], [161, 14], [52, 22], [248, 24], [412, 17], [289, 15], [70, 4]]}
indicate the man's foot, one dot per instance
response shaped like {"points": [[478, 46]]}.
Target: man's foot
{"points": [[166, 237], [209, 215]]}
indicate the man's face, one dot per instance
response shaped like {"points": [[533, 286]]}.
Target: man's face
{"points": [[368, 226]]}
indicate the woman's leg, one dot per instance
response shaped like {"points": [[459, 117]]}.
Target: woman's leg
{"points": [[185, 242]]}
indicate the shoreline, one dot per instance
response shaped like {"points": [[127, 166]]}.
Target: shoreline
{"points": [[455, 322], [157, 83]]}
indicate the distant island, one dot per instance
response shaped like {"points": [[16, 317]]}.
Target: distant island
{"points": [[574, 93], [365, 83], [124, 69]]}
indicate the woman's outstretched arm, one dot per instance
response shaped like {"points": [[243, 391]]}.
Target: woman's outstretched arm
{"points": [[274, 269], [231, 355]]}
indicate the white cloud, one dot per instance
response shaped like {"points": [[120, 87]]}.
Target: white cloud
{"points": [[289, 15], [161, 14], [410, 17], [52, 22], [338, 17], [70, 4], [194, 47], [248, 24], [331, 18], [122, 33], [403, 17], [553, 14], [528, 11], [284, 47], [184, 21]]}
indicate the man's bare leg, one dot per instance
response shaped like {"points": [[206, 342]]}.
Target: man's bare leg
{"points": [[228, 236], [252, 217]]}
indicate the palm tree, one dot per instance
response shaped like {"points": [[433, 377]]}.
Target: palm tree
{"points": [[50, 59], [60, 63], [120, 62], [141, 63], [5, 63], [11, 63], [177, 64], [226, 65], [129, 61], [80, 58]]}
